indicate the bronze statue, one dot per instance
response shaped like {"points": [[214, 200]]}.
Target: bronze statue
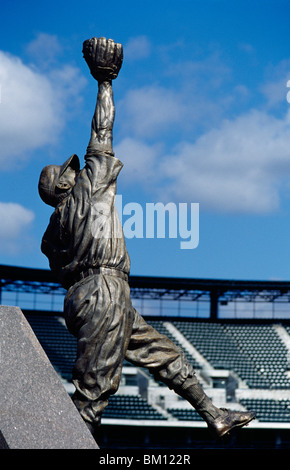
{"points": [[93, 265]]}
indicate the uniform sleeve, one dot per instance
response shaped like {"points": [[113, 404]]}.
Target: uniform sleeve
{"points": [[102, 170]]}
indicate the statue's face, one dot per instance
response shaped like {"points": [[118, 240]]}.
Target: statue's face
{"points": [[67, 179], [55, 183]]}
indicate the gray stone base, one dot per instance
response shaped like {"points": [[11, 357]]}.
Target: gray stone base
{"points": [[35, 410]]}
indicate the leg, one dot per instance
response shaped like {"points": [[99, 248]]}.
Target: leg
{"points": [[167, 362], [96, 313], [148, 348]]}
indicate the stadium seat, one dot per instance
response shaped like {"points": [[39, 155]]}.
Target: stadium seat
{"points": [[131, 407]]}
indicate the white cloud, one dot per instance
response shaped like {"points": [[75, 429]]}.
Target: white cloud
{"points": [[192, 98], [15, 220], [140, 160], [150, 110], [246, 47], [275, 86], [214, 150], [44, 49], [34, 106], [240, 166], [137, 48], [206, 74]]}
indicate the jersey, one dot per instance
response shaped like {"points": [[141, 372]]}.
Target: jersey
{"points": [[85, 230]]}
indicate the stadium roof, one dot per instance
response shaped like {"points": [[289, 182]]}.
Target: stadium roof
{"points": [[215, 291]]}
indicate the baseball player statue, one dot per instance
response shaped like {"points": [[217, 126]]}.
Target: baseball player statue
{"points": [[85, 245]]}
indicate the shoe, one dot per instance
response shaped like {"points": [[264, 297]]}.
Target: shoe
{"points": [[229, 420]]}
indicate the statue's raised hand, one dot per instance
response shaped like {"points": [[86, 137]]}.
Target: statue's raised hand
{"points": [[104, 58]]}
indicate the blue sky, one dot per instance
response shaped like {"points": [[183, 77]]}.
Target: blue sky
{"points": [[201, 117]]}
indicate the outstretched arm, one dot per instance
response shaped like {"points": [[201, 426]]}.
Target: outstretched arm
{"points": [[104, 57], [103, 121]]}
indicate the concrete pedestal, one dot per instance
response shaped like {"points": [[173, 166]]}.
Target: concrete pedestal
{"points": [[35, 410]]}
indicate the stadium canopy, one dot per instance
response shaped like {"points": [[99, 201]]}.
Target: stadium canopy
{"points": [[217, 293]]}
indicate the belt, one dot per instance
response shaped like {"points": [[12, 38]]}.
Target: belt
{"points": [[102, 270]]}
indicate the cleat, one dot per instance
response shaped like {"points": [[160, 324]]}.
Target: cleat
{"points": [[229, 420]]}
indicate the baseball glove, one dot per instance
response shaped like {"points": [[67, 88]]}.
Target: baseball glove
{"points": [[104, 58]]}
